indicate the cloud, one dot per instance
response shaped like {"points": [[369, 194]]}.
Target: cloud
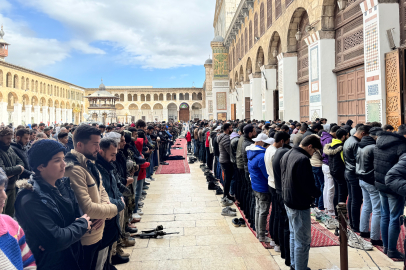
{"points": [[152, 34]]}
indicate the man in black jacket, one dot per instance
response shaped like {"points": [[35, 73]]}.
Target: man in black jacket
{"points": [[225, 162], [235, 137], [298, 192], [354, 190], [19, 147], [389, 148]]}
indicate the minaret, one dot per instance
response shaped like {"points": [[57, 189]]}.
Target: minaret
{"points": [[3, 46]]}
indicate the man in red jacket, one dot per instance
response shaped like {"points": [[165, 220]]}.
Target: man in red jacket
{"points": [[189, 142], [139, 143]]}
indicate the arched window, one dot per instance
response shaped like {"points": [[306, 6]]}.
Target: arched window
{"points": [[9, 80], [156, 97], [242, 44], [135, 97], [199, 96], [142, 97], [121, 97], [22, 83], [1, 77], [36, 86], [262, 19], [187, 96], [194, 96], [15, 81], [168, 97], [161, 97], [27, 84], [173, 96], [269, 13], [181, 96], [278, 8], [250, 30], [148, 97], [246, 40], [255, 27], [130, 97]]}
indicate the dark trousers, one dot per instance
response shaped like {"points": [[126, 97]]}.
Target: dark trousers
{"points": [[90, 254], [209, 158], [235, 188], [274, 218], [196, 148], [283, 230], [227, 169], [354, 200], [241, 196], [319, 181], [340, 192]]}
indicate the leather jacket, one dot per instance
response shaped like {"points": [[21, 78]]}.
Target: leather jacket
{"points": [[350, 153]]}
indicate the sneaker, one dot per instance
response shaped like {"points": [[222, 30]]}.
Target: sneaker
{"points": [[118, 259], [356, 241], [136, 216], [277, 248], [227, 212], [272, 243], [139, 212], [147, 183], [226, 202], [236, 222], [144, 193], [242, 222], [394, 254], [128, 242], [148, 180], [212, 186], [219, 191], [145, 187], [140, 203], [152, 179], [231, 209], [331, 223], [264, 239], [122, 252]]}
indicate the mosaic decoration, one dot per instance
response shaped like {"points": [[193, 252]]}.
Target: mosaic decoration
{"points": [[315, 98], [220, 63], [374, 111], [280, 103], [221, 84], [371, 47], [393, 95], [221, 100], [184, 106], [280, 80], [314, 62], [210, 106], [373, 90], [315, 114]]}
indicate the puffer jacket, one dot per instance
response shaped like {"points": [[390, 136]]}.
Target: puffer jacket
{"points": [[350, 153], [389, 148], [334, 151], [325, 138], [247, 142], [22, 154], [365, 160], [316, 160], [93, 199], [224, 147], [308, 132], [9, 162], [240, 161], [396, 177], [234, 137], [257, 168], [216, 150]]}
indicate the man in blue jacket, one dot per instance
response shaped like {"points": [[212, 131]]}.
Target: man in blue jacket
{"points": [[259, 182]]}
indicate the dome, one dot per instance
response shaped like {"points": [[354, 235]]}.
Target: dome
{"points": [[218, 39], [208, 62], [102, 87]]}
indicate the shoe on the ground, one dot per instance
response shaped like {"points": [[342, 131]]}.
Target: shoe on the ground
{"points": [[266, 239], [140, 203], [356, 241], [277, 248], [331, 223], [131, 230], [147, 183], [121, 251], [365, 234], [144, 193], [136, 216], [145, 187], [152, 179], [231, 209], [128, 242], [219, 191], [293, 268], [164, 163], [212, 186], [394, 254], [272, 243], [242, 222], [385, 250], [226, 202], [118, 259], [132, 225], [236, 222], [228, 212], [376, 242], [139, 212]]}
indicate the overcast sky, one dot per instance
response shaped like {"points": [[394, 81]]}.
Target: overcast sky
{"points": [[162, 43]]}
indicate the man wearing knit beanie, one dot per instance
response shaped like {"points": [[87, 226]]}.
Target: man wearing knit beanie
{"points": [[87, 184]]}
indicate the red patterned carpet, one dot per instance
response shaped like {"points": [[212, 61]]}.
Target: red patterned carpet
{"points": [[176, 166]]}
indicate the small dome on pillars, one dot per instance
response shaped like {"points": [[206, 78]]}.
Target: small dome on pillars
{"points": [[3, 45]]}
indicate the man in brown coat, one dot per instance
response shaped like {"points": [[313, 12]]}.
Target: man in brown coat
{"points": [[87, 184]]}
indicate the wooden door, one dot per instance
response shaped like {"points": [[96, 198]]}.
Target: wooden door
{"points": [[233, 112], [304, 102], [351, 95], [275, 104], [247, 108], [184, 114], [393, 95]]}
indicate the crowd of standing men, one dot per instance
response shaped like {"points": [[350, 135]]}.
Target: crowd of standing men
{"points": [[71, 195], [297, 168]]}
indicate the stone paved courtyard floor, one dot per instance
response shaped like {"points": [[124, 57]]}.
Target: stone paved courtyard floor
{"points": [[208, 240]]}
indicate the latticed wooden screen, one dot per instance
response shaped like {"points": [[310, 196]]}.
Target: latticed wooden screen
{"points": [[269, 13], [262, 19], [393, 97], [278, 8], [349, 36]]}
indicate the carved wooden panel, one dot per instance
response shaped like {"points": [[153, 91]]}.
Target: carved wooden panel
{"points": [[393, 100], [303, 52], [247, 108], [233, 112], [304, 102]]}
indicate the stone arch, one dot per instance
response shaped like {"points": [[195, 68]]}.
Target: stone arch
{"points": [[56, 104], [171, 104], [197, 105], [22, 83], [145, 106], [142, 97], [62, 105], [303, 51], [25, 101], [293, 28], [200, 96], [148, 97], [67, 105], [194, 96], [187, 96], [9, 80], [241, 78], [16, 82], [50, 103], [119, 107], [27, 84], [42, 102], [275, 47], [34, 101], [122, 97], [161, 97], [158, 106], [168, 96], [156, 97], [327, 15], [133, 106], [259, 60], [12, 98], [1, 77], [172, 111], [248, 67], [135, 97]]}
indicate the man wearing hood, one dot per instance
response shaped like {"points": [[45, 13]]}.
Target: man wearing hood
{"points": [[389, 148], [259, 183], [328, 191], [372, 201]]}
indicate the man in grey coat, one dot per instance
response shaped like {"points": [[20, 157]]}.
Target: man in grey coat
{"points": [[225, 162]]}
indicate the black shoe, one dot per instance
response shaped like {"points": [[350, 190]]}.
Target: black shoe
{"points": [[292, 268], [236, 222], [146, 184], [145, 187], [144, 193], [385, 250], [212, 186], [376, 242], [365, 234], [117, 259], [131, 230], [242, 222], [219, 191], [394, 254]]}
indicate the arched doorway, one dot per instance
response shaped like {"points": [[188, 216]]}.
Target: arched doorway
{"points": [[172, 112], [158, 112], [184, 112], [146, 113], [197, 111]]}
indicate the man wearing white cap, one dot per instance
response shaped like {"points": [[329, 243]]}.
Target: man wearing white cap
{"points": [[259, 182]]}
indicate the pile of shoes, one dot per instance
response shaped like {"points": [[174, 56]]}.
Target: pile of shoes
{"points": [[228, 211], [329, 222], [192, 160]]}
